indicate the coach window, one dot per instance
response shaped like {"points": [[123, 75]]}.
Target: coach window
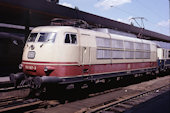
{"points": [[129, 45], [118, 44], [71, 38], [117, 54], [103, 42], [138, 46], [147, 47]]}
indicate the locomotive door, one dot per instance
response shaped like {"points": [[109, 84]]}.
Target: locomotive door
{"points": [[85, 54], [85, 60]]}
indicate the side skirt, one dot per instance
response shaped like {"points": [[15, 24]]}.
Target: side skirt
{"points": [[103, 76]]}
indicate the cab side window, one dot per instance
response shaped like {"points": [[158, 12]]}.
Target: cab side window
{"points": [[71, 38], [67, 38]]}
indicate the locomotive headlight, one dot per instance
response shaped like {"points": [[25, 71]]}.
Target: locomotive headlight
{"points": [[20, 66], [48, 68]]}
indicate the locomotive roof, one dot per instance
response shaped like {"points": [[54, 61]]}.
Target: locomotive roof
{"points": [[52, 28], [73, 29]]}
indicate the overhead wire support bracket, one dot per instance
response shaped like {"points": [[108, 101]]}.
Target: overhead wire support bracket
{"points": [[142, 26]]}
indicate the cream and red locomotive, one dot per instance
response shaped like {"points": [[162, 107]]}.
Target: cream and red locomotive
{"points": [[67, 55]]}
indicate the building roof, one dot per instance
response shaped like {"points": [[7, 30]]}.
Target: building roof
{"points": [[31, 13]]}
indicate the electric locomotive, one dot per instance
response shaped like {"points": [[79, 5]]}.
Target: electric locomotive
{"points": [[70, 55]]}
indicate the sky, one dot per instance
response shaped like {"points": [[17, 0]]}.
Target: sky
{"points": [[155, 12]]}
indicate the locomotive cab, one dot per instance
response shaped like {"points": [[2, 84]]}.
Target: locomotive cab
{"points": [[46, 51], [50, 54], [38, 42]]}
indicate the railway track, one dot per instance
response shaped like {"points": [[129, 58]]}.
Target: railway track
{"points": [[11, 88], [116, 100], [5, 83], [24, 103], [16, 105], [110, 103], [119, 106], [11, 95], [12, 99]]}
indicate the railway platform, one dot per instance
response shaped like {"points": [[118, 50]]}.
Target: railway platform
{"points": [[4, 79], [159, 104], [5, 82]]}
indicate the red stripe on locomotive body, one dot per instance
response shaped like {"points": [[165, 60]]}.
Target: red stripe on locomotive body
{"points": [[24, 61], [75, 70]]}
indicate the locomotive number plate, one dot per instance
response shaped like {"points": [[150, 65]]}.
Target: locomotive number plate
{"points": [[30, 67], [31, 55]]}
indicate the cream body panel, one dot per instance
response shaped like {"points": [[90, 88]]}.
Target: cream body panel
{"points": [[84, 52], [41, 54], [53, 52]]}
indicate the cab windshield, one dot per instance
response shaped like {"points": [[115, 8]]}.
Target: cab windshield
{"points": [[42, 37], [47, 37], [32, 37]]}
